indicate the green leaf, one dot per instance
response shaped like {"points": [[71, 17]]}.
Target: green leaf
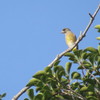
{"points": [[30, 93], [91, 81], [33, 82], [65, 81], [98, 38], [68, 67], [98, 30], [47, 95], [46, 87], [78, 53], [75, 85], [76, 75], [69, 54], [91, 49], [92, 98], [39, 74], [86, 64], [99, 49], [90, 93], [26, 99], [92, 58], [91, 86], [53, 84], [85, 88], [73, 59], [84, 55], [60, 74], [97, 26], [59, 97], [48, 71], [39, 96], [58, 68], [56, 63], [38, 89], [2, 95], [80, 67]]}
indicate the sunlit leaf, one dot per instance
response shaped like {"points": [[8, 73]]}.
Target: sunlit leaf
{"points": [[99, 49], [98, 38], [39, 74], [84, 55], [33, 82], [60, 74], [56, 63], [48, 71], [68, 67], [38, 89], [91, 49], [69, 54], [97, 26], [39, 96], [78, 53], [30, 93], [90, 93], [85, 88], [59, 97], [58, 68], [65, 81], [76, 75], [92, 98]]}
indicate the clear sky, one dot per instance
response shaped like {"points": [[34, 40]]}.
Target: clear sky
{"points": [[30, 36]]}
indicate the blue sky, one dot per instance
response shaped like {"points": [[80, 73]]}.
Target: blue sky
{"points": [[30, 36]]}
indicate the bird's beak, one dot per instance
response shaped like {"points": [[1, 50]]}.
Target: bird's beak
{"points": [[62, 32]]}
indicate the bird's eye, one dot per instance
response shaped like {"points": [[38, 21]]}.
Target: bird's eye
{"points": [[64, 29]]}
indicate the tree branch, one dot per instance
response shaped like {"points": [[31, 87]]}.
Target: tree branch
{"points": [[82, 35], [21, 92], [89, 73], [92, 17]]}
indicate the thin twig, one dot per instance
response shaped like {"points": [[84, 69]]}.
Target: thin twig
{"points": [[89, 73], [62, 54], [77, 96]]}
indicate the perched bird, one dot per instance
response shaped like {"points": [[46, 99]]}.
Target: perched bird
{"points": [[70, 38]]}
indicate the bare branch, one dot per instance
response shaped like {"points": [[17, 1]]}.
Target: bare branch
{"points": [[20, 93], [82, 35], [62, 54]]}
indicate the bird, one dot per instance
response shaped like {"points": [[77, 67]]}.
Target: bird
{"points": [[70, 38]]}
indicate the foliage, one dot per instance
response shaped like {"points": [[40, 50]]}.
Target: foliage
{"points": [[98, 28], [2, 95], [60, 83]]}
